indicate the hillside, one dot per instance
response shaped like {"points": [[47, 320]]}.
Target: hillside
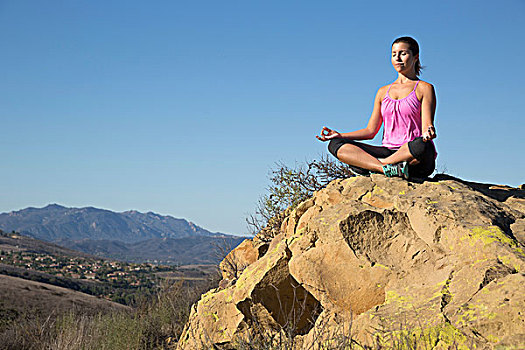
{"points": [[18, 296], [377, 262], [41, 283], [18, 242], [39, 261], [170, 251]]}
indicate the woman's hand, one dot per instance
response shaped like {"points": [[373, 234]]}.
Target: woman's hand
{"points": [[328, 134], [430, 134]]}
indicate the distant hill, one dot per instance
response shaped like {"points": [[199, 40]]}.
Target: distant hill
{"points": [[186, 250], [55, 222], [128, 236], [17, 242]]}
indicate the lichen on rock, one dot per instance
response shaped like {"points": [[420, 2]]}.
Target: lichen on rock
{"points": [[381, 259]]}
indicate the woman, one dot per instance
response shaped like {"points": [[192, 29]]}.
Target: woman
{"points": [[406, 107]]}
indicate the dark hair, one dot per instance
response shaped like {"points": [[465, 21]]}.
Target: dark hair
{"points": [[414, 47]]}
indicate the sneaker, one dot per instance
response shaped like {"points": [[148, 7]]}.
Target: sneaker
{"points": [[398, 169], [358, 171]]}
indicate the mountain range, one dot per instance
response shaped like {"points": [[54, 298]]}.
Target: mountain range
{"points": [[55, 222], [130, 236]]}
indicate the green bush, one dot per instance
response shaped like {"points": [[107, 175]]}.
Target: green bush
{"points": [[289, 186]]}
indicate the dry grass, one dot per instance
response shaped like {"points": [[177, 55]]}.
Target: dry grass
{"points": [[156, 323], [337, 334], [343, 338]]}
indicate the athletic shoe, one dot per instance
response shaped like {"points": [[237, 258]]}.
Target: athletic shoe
{"points": [[398, 169], [358, 171]]}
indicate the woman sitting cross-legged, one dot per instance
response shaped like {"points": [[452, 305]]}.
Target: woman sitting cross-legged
{"points": [[406, 108]]}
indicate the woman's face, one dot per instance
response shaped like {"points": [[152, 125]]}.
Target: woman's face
{"points": [[402, 58]]}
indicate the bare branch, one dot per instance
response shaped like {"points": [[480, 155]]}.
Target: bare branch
{"points": [[290, 186]]}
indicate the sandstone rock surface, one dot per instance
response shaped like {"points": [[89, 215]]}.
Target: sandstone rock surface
{"points": [[382, 258]]}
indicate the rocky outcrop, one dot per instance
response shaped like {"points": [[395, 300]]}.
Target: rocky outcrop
{"points": [[379, 260]]}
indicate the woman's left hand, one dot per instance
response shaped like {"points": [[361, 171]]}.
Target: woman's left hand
{"points": [[328, 134], [430, 134]]}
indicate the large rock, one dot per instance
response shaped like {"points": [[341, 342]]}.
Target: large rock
{"points": [[384, 261]]}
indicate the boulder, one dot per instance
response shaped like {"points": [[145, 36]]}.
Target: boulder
{"points": [[237, 260], [382, 261]]}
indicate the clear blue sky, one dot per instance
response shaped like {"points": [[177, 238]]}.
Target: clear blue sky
{"points": [[182, 107]]}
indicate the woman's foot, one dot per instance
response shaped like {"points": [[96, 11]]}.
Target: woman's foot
{"points": [[398, 169]]}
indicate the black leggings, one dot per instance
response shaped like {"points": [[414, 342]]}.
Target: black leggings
{"points": [[424, 152]]}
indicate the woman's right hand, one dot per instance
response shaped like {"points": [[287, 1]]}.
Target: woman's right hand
{"points": [[328, 134], [430, 134]]}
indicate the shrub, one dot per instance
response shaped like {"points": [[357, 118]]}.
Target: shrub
{"points": [[289, 186]]}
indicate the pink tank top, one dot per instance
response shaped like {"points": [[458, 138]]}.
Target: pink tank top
{"points": [[401, 118]]}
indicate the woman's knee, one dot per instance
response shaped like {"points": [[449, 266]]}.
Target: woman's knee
{"points": [[418, 147], [334, 145]]}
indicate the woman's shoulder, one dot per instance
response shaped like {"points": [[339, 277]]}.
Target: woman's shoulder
{"points": [[384, 87], [425, 86], [425, 90], [381, 92]]}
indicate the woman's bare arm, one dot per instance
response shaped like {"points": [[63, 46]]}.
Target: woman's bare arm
{"points": [[428, 110]]}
